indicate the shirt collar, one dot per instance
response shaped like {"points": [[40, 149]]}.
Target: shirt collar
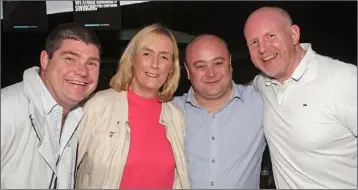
{"points": [[37, 92], [302, 67], [306, 60], [234, 94]]}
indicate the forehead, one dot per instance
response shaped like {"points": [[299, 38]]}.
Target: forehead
{"points": [[263, 23], [207, 50], [79, 47], [155, 42]]}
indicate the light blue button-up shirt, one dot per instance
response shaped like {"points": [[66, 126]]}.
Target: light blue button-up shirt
{"points": [[224, 149]]}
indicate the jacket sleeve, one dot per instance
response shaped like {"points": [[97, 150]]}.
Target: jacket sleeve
{"points": [[184, 173], [7, 135], [8, 125], [85, 131]]}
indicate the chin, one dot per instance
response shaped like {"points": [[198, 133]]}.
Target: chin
{"points": [[153, 87], [214, 96], [77, 97]]}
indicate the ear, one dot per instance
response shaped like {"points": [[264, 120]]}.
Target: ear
{"points": [[295, 34], [187, 71], [230, 63], [44, 60]]}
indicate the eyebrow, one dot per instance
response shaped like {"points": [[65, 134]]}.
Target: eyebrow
{"points": [[150, 50], [78, 55], [215, 59]]}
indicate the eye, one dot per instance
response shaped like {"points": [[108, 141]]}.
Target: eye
{"points": [[199, 66], [146, 54], [272, 35], [94, 64], [219, 63], [70, 59], [253, 42], [164, 57]]}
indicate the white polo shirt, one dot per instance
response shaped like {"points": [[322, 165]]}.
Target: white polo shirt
{"points": [[310, 124]]}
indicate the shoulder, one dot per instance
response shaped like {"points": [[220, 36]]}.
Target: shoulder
{"points": [[180, 101], [174, 115], [173, 108], [251, 97], [330, 66], [12, 92], [103, 99], [343, 71], [334, 72], [105, 94], [14, 109], [248, 92], [13, 101], [343, 79], [259, 79]]}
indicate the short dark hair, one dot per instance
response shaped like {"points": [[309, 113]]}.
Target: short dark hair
{"points": [[70, 31]]}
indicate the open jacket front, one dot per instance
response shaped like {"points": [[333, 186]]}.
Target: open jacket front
{"points": [[104, 134]]}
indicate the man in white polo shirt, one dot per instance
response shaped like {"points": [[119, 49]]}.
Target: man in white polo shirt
{"points": [[310, 118]]}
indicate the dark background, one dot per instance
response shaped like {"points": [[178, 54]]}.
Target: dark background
{"points": [[331, 27]]}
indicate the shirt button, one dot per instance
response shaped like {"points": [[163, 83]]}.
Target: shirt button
{"points": [[212, 183], [213, 161], [212, 138]]}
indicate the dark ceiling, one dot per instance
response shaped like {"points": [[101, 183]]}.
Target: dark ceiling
{"points": [[330, 26], [326, 24]]}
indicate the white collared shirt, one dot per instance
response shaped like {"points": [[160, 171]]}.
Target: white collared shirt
{"points": [[30, 137], [310, 124]]}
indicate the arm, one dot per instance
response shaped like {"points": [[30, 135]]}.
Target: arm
{"points": [[8, 124], [345, 97], [85, 132], [7, 136], [182, 169]]}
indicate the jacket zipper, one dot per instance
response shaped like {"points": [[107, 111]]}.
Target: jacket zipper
{"points": [[110, 168]]}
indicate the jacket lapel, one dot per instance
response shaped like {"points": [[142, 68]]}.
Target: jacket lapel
{"points": [[45, 148]]}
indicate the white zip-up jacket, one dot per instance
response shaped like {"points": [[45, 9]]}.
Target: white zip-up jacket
{"points": [[30, 137]]}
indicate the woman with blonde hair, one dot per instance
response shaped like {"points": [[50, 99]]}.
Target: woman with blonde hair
{"points": [[131, 136]]}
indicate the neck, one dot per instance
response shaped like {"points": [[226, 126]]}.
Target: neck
{"points": [[296, 60], [66, 107], [143, 93], [213, 105]]}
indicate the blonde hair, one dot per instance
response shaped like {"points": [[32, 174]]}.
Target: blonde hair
{"points": [[124, 76]]}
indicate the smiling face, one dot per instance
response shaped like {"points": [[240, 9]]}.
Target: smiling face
{"points": [[72, 72], [152, 64], [271, 41], [208, 67]]}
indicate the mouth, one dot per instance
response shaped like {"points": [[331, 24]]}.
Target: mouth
{"points": [[268, 58], [151, 75], [76, 82], [212, 82]]}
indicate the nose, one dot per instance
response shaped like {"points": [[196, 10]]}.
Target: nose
{"points": [[262, 47], [211, 72], [81, 69], [155, 62]]}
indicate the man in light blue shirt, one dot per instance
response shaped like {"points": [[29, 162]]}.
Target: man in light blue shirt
{"points": [[224, 139]]}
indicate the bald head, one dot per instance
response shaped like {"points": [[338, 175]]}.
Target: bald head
{"points": [[273, 42], [273, 14], [203, 43]]}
